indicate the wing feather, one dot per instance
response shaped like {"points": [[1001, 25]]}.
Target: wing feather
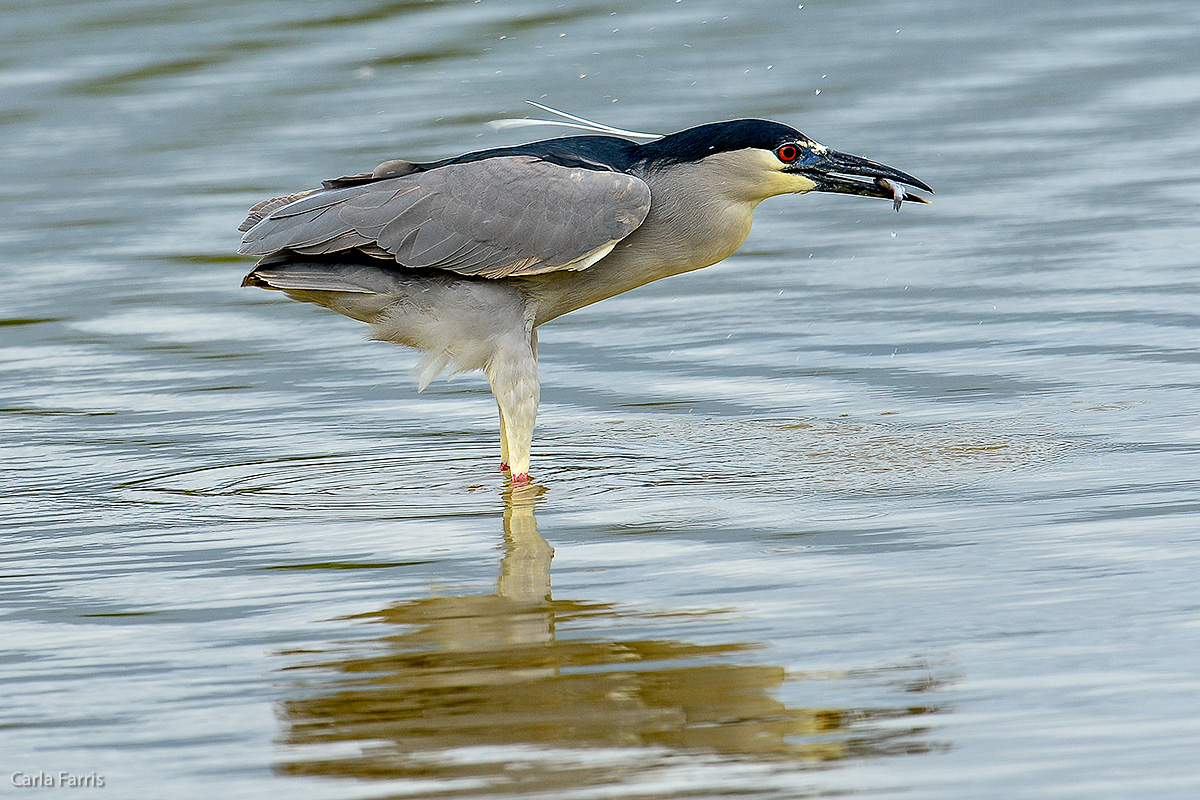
{"points": [[492, 217]]}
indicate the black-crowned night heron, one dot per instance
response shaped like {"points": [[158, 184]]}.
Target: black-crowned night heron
{"points": [[464, 258]]}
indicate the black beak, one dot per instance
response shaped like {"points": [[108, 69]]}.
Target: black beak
{"points": [[838, 172]]}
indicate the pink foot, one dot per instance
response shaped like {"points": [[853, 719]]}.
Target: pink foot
{"points": [[504, 466], [521, 479]]}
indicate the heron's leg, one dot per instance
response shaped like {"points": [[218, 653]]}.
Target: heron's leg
{"points": [[512, 372], [503, 442]]}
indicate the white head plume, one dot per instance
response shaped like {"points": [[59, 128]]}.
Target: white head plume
{"points": [[575, 122]]}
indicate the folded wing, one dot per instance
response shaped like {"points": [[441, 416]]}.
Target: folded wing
{"points": [[494, 217]]}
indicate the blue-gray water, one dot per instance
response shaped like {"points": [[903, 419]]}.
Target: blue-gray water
{"points": [[886, 505]]}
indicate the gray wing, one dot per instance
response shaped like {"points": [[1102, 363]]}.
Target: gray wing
{"points": [[496, 217]]}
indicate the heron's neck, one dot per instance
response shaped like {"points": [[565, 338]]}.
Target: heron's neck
{"points": [[674, 238]]}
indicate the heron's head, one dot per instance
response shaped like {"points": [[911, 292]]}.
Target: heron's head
{"points": [[755, 159]]}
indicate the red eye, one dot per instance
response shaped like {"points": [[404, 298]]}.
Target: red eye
{"points": [[788, 153]]}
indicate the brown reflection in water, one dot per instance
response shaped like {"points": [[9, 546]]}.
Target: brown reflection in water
{"points": [[486, 671]]}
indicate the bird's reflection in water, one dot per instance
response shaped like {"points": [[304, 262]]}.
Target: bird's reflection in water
{"points": [[515, 691]]}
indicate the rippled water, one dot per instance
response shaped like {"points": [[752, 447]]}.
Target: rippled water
{"points": [[886, 505]]}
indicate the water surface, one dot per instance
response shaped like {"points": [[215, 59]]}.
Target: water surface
{"points": [[886, 505]]}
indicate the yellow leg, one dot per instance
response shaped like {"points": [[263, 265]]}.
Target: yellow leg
{"points": [[512, 372], [503, 443]]}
